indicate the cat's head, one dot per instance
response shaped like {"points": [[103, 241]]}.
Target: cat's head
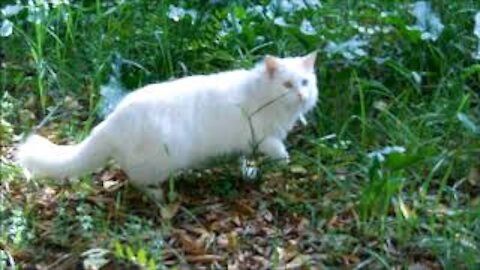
{"points": [[293, 78]]}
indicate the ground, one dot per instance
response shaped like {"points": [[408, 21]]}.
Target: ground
{"points": [[385, 175]]}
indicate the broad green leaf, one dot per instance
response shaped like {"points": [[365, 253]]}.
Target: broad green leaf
{"points": [[119, 249], [142, 257], [398, 161], [151, 264], [130, 253]]}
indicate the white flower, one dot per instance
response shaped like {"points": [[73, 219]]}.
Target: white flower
{"points": [[476, 32], [349, 49], [56, 3], [307, 28], [177, 13], [6, 29], [11, 10], [428, 23], [380, 154]]}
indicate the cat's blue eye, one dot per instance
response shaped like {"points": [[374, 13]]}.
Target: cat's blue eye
{"points": [[304, 82]]}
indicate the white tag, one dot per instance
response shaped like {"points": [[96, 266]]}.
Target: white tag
{"points": [[249, 172], [303, 120]]}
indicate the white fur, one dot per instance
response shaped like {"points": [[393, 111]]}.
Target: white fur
{"points": [[165, 127]]}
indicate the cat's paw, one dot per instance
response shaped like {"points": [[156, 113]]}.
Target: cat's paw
{"points": [[275, 149], [284, 160]]}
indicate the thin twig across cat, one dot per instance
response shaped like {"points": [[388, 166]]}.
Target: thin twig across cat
{"points": [[162, 128]]}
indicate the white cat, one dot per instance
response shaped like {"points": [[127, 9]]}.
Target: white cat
{"points": [[165, 127]]}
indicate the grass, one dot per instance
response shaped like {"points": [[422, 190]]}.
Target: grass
{"points": [[334, 207]]}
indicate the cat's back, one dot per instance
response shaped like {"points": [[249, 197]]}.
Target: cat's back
{"points": [[224, 86], [227, 81]]}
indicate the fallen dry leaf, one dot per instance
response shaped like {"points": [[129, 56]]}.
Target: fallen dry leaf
{"points": [[220, 225], [298, 170], [418, 266], [267, 215], [112, 180], [205, 258], [111, 185], [406, 212], [350, 259], [47, 199], [298, 261], [195, 229], [264, 262], [232, 241], [222, 241], [333, 221], [258, 249], [170, 210], [302, 225], [188, 244], [243, 208], [232, 265]]}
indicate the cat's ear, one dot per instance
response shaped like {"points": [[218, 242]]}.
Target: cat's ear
{"points": [[308, 61], [271, 65]]}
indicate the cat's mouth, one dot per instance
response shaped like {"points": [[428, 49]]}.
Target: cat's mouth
{"points": [[303, 99], [301, 96]]}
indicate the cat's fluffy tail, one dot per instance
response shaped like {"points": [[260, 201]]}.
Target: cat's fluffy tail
{"points": [[42, 158]]}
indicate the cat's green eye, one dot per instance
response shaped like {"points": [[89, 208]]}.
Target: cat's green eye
{"points": [[288, 84]]}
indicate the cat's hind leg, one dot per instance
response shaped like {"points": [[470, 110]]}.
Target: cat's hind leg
{"points": [[148, 181]]}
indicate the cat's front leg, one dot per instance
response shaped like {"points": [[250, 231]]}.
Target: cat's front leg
{"points": [[153, 192], [275, 149]]}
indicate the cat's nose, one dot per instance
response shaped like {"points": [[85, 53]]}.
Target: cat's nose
{"points": [[302, 96]]}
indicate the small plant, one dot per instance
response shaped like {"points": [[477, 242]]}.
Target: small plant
{"points": [[386, 178], [128, 254]]}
